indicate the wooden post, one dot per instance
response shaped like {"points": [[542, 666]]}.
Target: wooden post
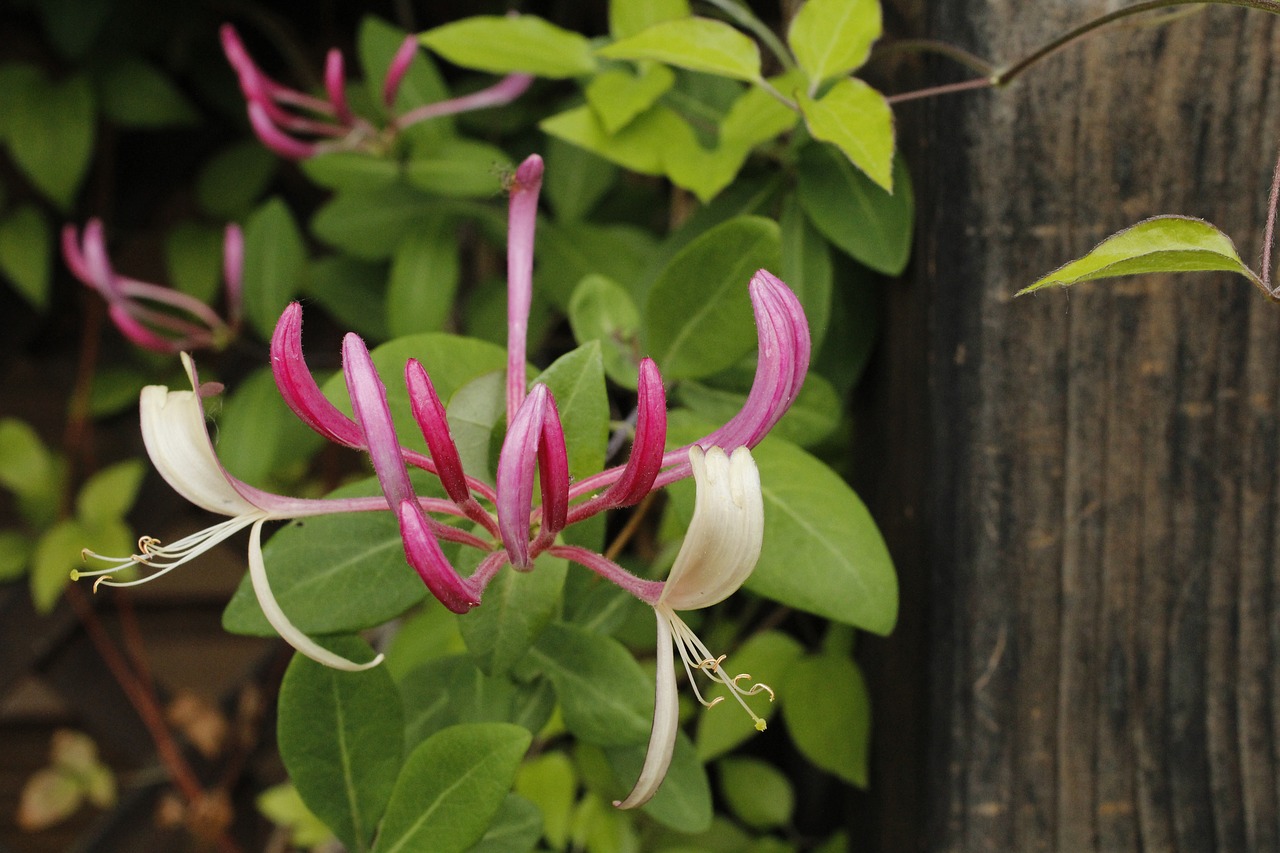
{"points": [[1091, 547]]}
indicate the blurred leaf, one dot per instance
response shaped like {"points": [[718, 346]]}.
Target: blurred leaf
{"points": [[378, 43], [50, 129], [550, 781], [575, 179], [515, 829], [341, 737], [601, 310], [568, 252], [451, 788], [424, 281], [757, 792], [860, 218], [352, 291], [828, 714], [274, 259], [115, 389], [234, 178], [110, 493], [617, 96], [26, 465], [371, 224], [833, 37], [628, 17], [193, 256], [814, 415], [135, 94], [449, 690], [698, 315], [73, 25], [1159, 244], [856, 119], [15, 551], [806, 268], [259, 437], [520, 43], [56, 554], [26, 244], [459, 168], [281, 805], [351, 170], [49, 797], [698, 44]]}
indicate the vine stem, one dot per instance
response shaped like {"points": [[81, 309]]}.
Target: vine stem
{"points": [[1268, 234]]}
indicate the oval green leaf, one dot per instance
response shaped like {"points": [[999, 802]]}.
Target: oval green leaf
{"points": [[341, 737], [274, 258], [451, 788], [506, 44], [698, 44], [856, 119], [833, 37], [828, 714], [1159, 244]]}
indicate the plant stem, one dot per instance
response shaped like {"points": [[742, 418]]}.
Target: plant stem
{"points": [[1268, 234], [944, 89], [1003, 77], [942, 48]]}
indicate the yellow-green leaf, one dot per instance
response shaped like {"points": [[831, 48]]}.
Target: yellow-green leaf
{"points": [[1159, 244], [833, 37], [856, 119], [698, 44]]}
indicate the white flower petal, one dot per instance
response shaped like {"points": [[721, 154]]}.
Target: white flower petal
{"points": [[723, 543], [285, 628], [666, 722]]}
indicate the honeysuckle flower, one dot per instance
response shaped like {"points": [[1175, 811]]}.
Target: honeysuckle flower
{"points": [[157, 318], [719, 552], [297, 125]]}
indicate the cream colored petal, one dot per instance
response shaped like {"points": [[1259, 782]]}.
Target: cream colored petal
{"points": [[173, 431], [666, 722], [285, 628], [726, 532]]}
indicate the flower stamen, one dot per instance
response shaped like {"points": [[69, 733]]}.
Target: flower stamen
{"points": [[695, 655]]}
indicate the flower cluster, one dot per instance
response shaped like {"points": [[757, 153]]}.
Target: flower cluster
{"points": [[719, 551], [298, 125], [153, 317]]}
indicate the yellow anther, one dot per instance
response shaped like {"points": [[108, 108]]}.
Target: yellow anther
{"points": [[761, 725], [711, 665], [84, 554], [147, 543], [100, 580], [75, 574]]}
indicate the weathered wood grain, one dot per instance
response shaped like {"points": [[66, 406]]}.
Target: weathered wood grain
{"points": [[1100, 501]]}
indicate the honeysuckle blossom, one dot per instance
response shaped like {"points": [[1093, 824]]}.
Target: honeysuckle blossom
{"points": [[157, 318], [298, 125], [719, 551]]}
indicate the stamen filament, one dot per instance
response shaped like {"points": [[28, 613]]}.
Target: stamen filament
{"points": [[695, 655]]}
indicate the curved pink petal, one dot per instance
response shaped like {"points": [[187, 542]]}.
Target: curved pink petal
{"points": [[275, 138], [553, 473], [430, 414], [522, 217], [423, 553], [298, 387], [397, 70], [516, 463], [335, 84], [233, 272], [503, 92]]}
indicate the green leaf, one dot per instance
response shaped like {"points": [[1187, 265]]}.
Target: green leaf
{"points": [[56, 555], [377, 44], [450, 690], [812, 417], [698, 315], [234, 178], [550, 781], [605, 697], [515, 829], [756, 117], [50, 129], [1159, 244], [575, 179], [451, 787], [807, 268], [637, 147], [281, 805], [857, 120], [601, 310], [459, 168], [860, 218], [15, 550], [617, 96], [371, 224], [351, 170], [332, 574], [698, 44], [576, 380], [767, 656], [135, 94], [117, 388], [352, 291], [628, 17], [828, 714], [758, 793], [341, 737], [109, 494], [274, 258], [506, 44], [424, 280], [517, 607], [683, 802], [833, 37], [474, 411], [822, 551], [26, 465], [193, 258], [26, 244], [569, 252], [259, 437]]}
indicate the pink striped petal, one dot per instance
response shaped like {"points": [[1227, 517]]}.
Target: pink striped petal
{"points": [[430, 414], [516, 464], [423, 553], [298, 387], [553, 472], [397, 70], [522, 217], [274, 138], [335, 84]]}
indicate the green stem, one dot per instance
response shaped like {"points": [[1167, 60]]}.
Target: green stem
{"points": [[745, 19], [1002, 77]]}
